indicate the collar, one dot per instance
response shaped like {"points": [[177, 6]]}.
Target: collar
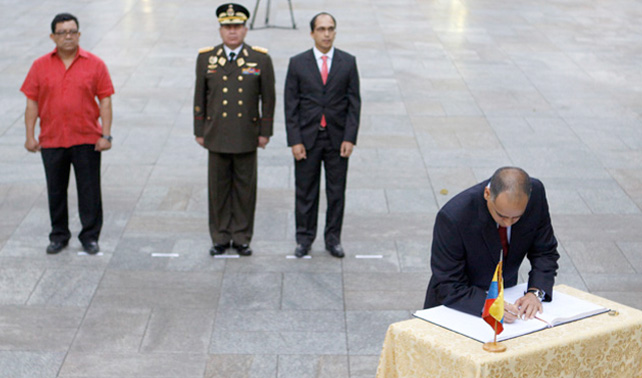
{"points": [[80, 53], [318, 54], [236, 51]]}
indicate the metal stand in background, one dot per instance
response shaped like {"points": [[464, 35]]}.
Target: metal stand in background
{"points": [[267, 17]]}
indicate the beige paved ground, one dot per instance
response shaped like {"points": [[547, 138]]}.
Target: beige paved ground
{"points": [[451, 91]]}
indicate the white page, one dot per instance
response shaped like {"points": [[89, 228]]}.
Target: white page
{"points": [[474, 326], [561, 309], [512, 294], [563, 306]]}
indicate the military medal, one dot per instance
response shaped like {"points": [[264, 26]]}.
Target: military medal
{"points": [[250, 71], [212, 65], [240, 62], [211, 68], [221, 61]]}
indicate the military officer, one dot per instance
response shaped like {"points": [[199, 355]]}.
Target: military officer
{"points": [[232, 80]]}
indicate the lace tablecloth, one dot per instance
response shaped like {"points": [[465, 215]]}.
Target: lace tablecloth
{"points": [[600, 346]]}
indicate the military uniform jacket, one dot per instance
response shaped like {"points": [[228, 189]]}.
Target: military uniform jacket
{"points": [[227, 96]]}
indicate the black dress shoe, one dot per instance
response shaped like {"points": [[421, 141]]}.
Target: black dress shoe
{"points": [[301, 250], [55, 247], [219, 249], [91, 247], [243, 249], [335, 250]]}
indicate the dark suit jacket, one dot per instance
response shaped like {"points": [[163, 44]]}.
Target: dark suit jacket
{"points": [[227, 96], [307, 99], [466, 250]]}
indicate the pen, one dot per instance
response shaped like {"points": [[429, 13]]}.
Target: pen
{"points": [[509, 311]]}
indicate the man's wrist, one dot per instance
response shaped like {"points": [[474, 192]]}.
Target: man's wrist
{"points": [[108, 137], [539, 294]]}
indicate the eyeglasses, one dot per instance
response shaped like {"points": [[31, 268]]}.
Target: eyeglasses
{"points": [[65, 32]]}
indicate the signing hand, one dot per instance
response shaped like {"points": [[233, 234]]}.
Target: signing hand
{"points": [[510, 312], [528, 306]]}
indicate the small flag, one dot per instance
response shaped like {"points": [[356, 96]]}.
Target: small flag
{"points": [[494, 307]]}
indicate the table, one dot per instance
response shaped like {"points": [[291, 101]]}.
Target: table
{"points": [[599, 346]]}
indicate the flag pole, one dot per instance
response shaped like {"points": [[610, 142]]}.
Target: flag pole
{"points": [[494, 346], [495, 339]]}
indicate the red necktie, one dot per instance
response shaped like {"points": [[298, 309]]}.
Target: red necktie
{"points": [[324, 77], [324, 69], [503, 236]]}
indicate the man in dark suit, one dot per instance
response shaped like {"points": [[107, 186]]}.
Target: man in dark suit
{"points": [[506, 215], [322, 108], [231, 80]]}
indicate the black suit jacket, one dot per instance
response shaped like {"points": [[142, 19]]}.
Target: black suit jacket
{"points": [[466, 250], [307, 99]]}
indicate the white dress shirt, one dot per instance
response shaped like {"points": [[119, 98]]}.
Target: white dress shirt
{"points": [[318, 56], [236, 51]]}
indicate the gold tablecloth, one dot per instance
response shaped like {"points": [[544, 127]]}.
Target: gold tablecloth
{"points": [[595, 347]]}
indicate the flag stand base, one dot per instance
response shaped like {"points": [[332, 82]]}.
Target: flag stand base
{"points": [[494, 347]]}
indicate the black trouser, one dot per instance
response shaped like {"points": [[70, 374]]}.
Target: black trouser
{"points": [[307, 180], [86, 164], [232, 196]]}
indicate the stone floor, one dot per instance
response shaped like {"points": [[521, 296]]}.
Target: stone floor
{"points": [[451, 90]]}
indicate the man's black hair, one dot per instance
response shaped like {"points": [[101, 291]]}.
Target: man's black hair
{"points": [[62, 17], [314, 20]]}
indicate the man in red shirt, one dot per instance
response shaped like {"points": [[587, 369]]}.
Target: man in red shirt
{"points": [[61, 89]]}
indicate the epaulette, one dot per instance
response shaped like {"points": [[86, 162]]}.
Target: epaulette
{"points": [[205, 49], [260, 49]]}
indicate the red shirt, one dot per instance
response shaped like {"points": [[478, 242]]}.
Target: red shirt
{"points": [[66, 98]]}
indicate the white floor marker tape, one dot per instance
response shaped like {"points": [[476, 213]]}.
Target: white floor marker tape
{"points": [[87, 254]]}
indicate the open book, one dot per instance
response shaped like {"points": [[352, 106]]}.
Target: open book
{"points": [[563, 309]]}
